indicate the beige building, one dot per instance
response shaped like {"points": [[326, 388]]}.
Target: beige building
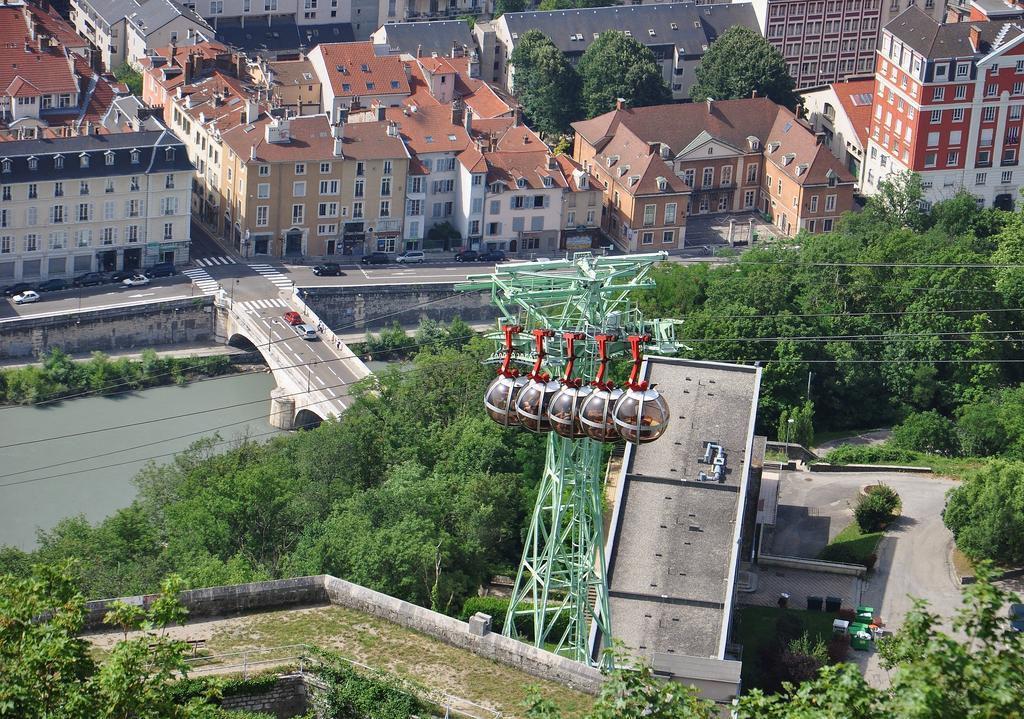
{"points": [[291, 84], [300, 186]]}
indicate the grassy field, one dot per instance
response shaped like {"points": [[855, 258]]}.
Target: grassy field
{"points": [[756, 630], [389, 647], [851, 545]]}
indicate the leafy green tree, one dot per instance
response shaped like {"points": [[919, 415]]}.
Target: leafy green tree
{"points": [[986, 513], [801, 431], [616, 66], [875, 509], [49, 672], [898, 200], [927, 432], [545, 83], [129, 76], [503, 6], [979, 430], [739, 63]]}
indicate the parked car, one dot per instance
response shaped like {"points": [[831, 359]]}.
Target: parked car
{"points": [[492, 256], [122, 275], [89, 279], [161, 269], [51, 285], [375, 258], [327, 269], [135, 281], [16, 289], [25, 297], [1017, 617], [306, 332], [411, 257], [293, 318], [467, 256]]}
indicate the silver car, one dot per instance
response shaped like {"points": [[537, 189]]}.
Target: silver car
{"points": [[306, 332], [411, 257]]}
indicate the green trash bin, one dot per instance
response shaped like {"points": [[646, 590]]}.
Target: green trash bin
{"points": [[860, 637], [866, 614]]}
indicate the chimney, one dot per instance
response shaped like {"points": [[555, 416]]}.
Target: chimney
{"points": [[338, 133], [189, 70], [252, 152], [457, 111], [474, 64], [620, 103], [174, 51], [975, 37], [381, 113], [419, 51], [710, 101], [252, 112], [819, 138], [456, 49], [551, 161], [753, 93], [468, 122]]}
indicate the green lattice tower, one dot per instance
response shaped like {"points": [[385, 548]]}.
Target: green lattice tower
{"points": [[562, 573]]}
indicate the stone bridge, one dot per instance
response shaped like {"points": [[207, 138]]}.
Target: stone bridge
{"points": [[314, 377]]}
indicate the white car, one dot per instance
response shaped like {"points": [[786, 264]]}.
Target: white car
{"points": [[26, 297], [135, 281], [411, 257]]}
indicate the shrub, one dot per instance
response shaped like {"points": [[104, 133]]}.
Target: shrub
{"points": [[873, 512], [926, 432], [497, 607], [887, 495], [871, 454], [986, 513], [802, 430], [980, 430]]}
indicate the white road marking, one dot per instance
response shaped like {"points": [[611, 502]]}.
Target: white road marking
{"points": [[143, 294]]}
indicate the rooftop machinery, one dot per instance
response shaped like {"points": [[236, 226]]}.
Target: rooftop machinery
{"points": [[568, 319]]}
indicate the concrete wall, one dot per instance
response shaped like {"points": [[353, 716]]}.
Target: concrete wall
{"points": [[123, 328], [358, 308], [815, 565]]}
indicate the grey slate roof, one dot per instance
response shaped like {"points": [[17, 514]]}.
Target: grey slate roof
{"points": [[280, 35], [919, 31], [434, 36], [695, 25], [151, 15], [152, 146]]}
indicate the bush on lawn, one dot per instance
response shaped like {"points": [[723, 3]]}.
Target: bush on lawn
{"points": [[876, 509], [871, 454]]}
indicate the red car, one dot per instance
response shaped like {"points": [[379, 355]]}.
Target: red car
{"points": [[293, 318]]}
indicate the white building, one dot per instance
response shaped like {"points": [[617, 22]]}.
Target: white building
{"points": [[841, 112], [353, 75], [93, 202]]}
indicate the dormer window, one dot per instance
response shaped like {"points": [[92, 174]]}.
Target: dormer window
{"points": [[58, 162], [772, 146], [832, 178], [788, 158], [33, 163], [753, 142], [584, 183], [801, 169], [496, 187], [5, 165], [108, 157], [548, 182], [169, 154], [662, 184], [83, 160], [135, 156], [521, 182]]}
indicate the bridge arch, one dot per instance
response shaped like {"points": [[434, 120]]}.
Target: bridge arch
{"points": [[307, 419], [242, 342]]}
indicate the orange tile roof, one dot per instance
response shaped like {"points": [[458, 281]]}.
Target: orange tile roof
{"points": [[855, 96], [48, 70], [51, 23], [429, 129], [311, 139], [383, 74]]}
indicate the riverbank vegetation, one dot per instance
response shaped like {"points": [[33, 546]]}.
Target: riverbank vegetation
{"points": [[414, 492], [58, 376]]}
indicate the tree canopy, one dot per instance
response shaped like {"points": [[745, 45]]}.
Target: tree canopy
{"points": [[545, 83], [616, 66], [986, 513], [740, 62], [503, 6]]}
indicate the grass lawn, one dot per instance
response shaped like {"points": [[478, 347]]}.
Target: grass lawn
{"points": [[389, 647], [756, 630], [851, 546]]}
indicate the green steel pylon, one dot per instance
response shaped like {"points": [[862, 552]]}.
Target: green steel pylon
{"points": [[561, 588]]}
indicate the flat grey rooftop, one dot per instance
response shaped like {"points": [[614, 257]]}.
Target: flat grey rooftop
{"points": [[674, 535]]}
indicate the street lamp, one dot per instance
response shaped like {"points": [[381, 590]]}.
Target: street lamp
{"points": [[789, 424]]}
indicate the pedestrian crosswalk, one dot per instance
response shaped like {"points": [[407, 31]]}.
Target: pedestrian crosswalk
{"points": [[214, 261], [262, 304], [202, 280], [271, 273]]}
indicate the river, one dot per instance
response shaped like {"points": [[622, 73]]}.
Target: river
{"points": [[101, 442]]}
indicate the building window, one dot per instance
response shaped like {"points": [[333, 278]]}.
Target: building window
{"points": [[263, 191], [385, 208], [357, 210], [169, 206], [7, 193], [133, 183], [708, 177], [84, 212], [952, 158], [134, 154], [385, 187], [668, 237], [300, 168], [31, 243], [298, 214], [216, 7], [107, 236], [1006, 177], [264, 171], [262, 216], [360, 168], [33, 191], [168, 231], [958, 114], [647, 238], [930, 159], [814, 203], [830, 203], [83, 160], [328, 209], [960, 93], [751, 172], [298, 189], [748, 199], [387, 166], [938, 94], [6, 244], [131, 233], [58, 162], [109, 187], [325, 168], [649, 213], [670, 213], [83, 187]]}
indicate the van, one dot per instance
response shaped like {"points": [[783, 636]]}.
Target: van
{"points": [[161, 269]]}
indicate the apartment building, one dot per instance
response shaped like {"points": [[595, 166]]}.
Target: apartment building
{"points": [[677, 33], [426, 37], [291, 84], [400, 11], [949, 100], [302, 186], [37, 78], [169, 68], [842, 113], [122, 31], [355, 75], [658, 165], [92, 202]]}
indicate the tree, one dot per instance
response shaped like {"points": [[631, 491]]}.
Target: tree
{"points": [[48, 668], [616, 66], [545, 83], [129, 76], [739, 63], [801, 431], [876, 508], [980, 431], [986, 513], [898, 200], [978, 671], [503, 6], [926, 432]]}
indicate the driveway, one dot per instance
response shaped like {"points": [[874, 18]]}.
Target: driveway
{"points": [[813, 509]]}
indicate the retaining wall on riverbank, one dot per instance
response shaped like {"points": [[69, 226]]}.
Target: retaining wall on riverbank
{"points": [[112, 329], [348, 309]]}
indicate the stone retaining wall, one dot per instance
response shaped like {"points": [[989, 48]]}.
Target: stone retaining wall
{"points": [[817, 565], [348, 309], [288, 697]]}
